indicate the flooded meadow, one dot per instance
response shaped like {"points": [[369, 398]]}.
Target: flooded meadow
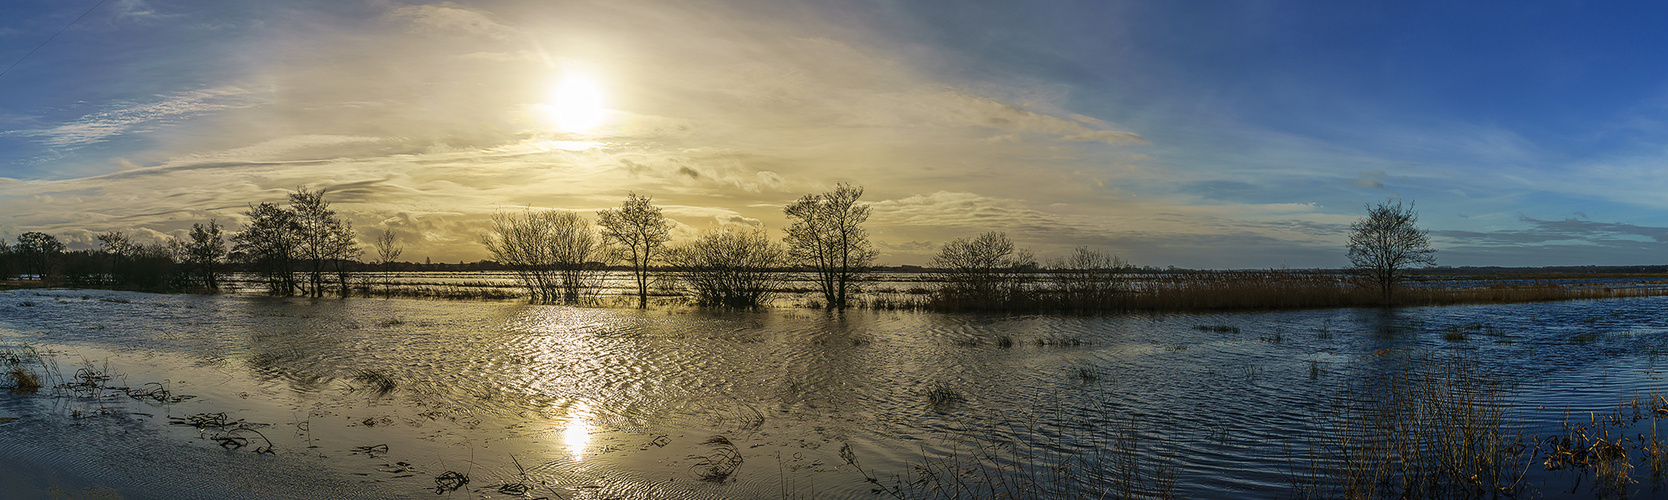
{"points": [[200, 396]]}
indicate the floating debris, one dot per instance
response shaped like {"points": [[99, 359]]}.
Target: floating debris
{"points": [[449, 482]]}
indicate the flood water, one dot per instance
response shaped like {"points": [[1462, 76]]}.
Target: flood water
{"points": [[376, 398]]}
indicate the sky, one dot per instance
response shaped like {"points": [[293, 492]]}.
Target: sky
{"points": [[1190, 134]]}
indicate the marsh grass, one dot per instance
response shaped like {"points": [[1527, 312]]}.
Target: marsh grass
{"points": [[1268, 290], [941, 395], [1059, 341], [26, 370], [1435, 428], [1038, 459]]}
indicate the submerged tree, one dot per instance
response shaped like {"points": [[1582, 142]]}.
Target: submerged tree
{"points": [[325, 241], [1386, 243], [729, 267], [202, 254], [269, 243], [827, 236], [552, 252], [986, 271], [387, 249], [639, 227], [1088, 279]]}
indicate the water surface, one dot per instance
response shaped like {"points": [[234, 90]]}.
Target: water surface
{"points": [[594, 402]]}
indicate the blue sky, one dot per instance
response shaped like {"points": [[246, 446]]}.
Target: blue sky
{"points": [[1223, 134]]}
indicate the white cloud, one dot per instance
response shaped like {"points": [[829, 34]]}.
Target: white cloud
{"points": [[141, 117], [451, 18]]}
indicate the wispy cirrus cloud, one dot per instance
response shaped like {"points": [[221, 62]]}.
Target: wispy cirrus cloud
{"points": [[142, 116]]}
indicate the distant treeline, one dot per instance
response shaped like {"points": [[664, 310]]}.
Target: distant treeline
{"points": [[305, 248]]}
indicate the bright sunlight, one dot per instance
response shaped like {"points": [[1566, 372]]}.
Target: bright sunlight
{"points": [[576, 104]]}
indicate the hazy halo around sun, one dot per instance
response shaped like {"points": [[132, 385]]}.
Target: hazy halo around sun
{"points": [[576, 104]]}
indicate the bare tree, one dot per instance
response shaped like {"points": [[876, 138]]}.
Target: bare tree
{"points": [[325, 240], [827, 236], [729, 267], [118, 250], [343, 255], [1087, 279], [986, 271], [1385, 243], [387, 249], [553, 252], [639, 227]]}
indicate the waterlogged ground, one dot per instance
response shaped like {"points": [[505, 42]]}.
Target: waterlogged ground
{"points": [[375, 398]]}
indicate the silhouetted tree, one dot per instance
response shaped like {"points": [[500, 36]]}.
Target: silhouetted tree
{"points": [[269, 244], [1385, 243], [639, 227], [202, 255], [118, 250], [983, 272], [1087, 279], [729, 267], [40, 254], [550, 251], [827, 236], [8, 258], [325, 241], [387, 249]]}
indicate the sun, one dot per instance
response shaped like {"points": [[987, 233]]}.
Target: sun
{"points": [[576, 104]]}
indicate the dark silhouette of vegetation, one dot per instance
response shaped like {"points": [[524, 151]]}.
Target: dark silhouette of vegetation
{"points": [[202, 255], [730, 267], [827, 236], [1087, 280], [268, 245], [325, 242], [985, 272], [121, 263], [40, 254], [7, 257], [553, 253], [1386, 243], [639, 227], [388, 248], [559, 257], [307, 238]]}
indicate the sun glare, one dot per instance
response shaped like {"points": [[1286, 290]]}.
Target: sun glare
{"points": [[576, 104], [578, 432]]}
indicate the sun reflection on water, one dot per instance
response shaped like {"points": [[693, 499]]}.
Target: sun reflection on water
{"points": [[577, 435]]}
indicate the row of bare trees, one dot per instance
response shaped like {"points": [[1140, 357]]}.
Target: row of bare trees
{"points": [[557, 254], [298, 248]]}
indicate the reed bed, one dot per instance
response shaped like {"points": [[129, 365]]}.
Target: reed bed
{"points": [[1249, 290]]}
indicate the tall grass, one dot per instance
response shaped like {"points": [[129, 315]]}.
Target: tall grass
{"points": [[1050, 460], [24, 370], [1250, 290], [1432, 429]]}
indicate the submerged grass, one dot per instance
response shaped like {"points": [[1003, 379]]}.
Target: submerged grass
{"points": [[1434, 429], [1054, 459], [25, 370]]}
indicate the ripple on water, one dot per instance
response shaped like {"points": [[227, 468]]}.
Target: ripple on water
{"points": [[624, 401]]}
